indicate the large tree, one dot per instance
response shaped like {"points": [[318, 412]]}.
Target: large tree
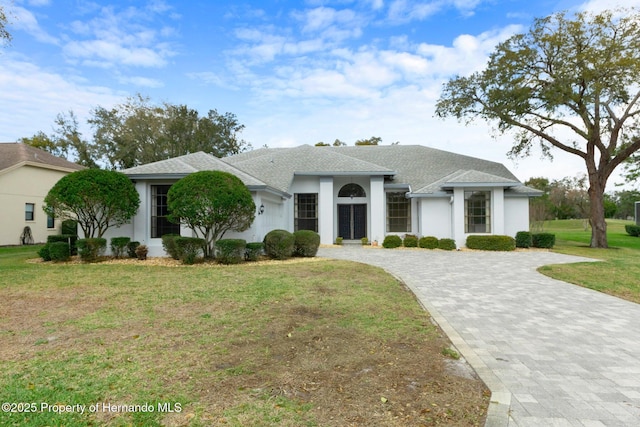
{"points": [[211, 203], [5, 36], [96, 198], [570, 83]]}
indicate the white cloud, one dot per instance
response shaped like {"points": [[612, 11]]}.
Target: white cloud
{"points": [[27, 22], [601, 5]]}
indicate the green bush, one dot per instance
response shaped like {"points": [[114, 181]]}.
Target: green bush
{"points": [[632, 230], [491, 243], [523, 239], [230, 251], [364, 241], [543, 240], [71, 239], [44, 253], [119, 246], [169, 245], [59, 251], [410, 241], [131, 249], [70, 226], [428, 242], [392, 241], [189, 248], [91, 249], [279, 244], [447, 244], [254, 250], [339, 241], [306, 243]]}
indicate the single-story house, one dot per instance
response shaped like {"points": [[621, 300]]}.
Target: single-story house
{"points": [[349, 192], [26, 176]]}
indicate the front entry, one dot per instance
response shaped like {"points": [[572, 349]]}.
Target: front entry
{"points": [[352, 221]]}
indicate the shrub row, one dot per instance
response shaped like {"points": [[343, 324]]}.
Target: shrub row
{"points": [[410, 241], [632, 230], [281, 244], [491, 243], [525, 239]]}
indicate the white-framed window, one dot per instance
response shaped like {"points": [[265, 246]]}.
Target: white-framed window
{"points": [[160, 224], [29, 211], [398, 213], [477, 212], [306, 211]]}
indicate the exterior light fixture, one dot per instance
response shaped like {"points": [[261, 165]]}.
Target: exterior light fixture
{"points": [[261, 209]]}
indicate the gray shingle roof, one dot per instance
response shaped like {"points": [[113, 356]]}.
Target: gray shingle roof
{"points": [[12, 154], [187, 164]]}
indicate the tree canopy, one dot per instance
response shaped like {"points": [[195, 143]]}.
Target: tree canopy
{"points": [[138, 132], [211, 203], [569, 83], [97, 199], [5, 36]]}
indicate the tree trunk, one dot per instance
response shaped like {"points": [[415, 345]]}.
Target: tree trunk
{"points": [[598, 223]]}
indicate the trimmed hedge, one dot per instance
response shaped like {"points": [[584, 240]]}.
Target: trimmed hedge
{"points": [[253, 251], [523, 239], [230, 251], [428, 242], [306, 243], [410, 241], [43, 253], [119, 246], [169, 246], [131, 249], [279, 244], [59, 251], [491, 243], [632, 230], [91, 249], [189, 248], [447, 244], [392, 241], [71, 239], [543, 240]]}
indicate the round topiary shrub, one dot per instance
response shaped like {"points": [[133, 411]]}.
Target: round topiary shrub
{"points": [[91, 249], [279, 244], [523, 239], [230, 251], [59, 251], [43, 252], [189, 248], [447, 244], [410, 241], [253, 251], [543, 240], [491, 243], [306, 243], [428, 242], [632, 230], [119, 246], [392, 241]]}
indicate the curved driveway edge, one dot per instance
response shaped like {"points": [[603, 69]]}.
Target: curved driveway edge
{"points": [[552, 353]]}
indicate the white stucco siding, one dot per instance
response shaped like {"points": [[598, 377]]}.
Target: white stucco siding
{"points": [[516, 212], [435, 217]]}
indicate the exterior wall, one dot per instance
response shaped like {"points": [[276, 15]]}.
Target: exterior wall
{"points": [[516, 213], [377, 209], [26, 184], [435, 217]]}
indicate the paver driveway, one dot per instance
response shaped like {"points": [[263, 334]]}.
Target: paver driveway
{"points": [[552, 353]]}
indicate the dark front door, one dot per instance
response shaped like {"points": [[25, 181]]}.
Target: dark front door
{"points": [[352, 221]]}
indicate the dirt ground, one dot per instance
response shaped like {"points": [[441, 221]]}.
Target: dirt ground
{"points": [[348, 380]]}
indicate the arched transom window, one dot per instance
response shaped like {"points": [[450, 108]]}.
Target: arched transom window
{"points": [[352, 190]]}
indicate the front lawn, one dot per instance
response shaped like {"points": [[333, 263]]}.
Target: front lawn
{"points": [[315, 343], [619, 272]]}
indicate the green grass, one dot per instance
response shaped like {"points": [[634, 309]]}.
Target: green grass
{"points": [[227, 345], [618, 272]]}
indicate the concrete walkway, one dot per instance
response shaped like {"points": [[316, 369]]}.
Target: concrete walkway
{"points": [[553, 354]]}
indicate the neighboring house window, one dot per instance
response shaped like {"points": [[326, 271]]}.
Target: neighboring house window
{"points": [[477, 208], [306, 212], [398, 213], [29, 211], [160, 224], [51, 222]]}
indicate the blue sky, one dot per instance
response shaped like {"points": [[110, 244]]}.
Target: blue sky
{"points": [[293, 72]]}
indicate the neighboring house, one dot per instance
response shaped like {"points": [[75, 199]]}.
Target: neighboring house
{"points": [[26, 176], [348, 192]]}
